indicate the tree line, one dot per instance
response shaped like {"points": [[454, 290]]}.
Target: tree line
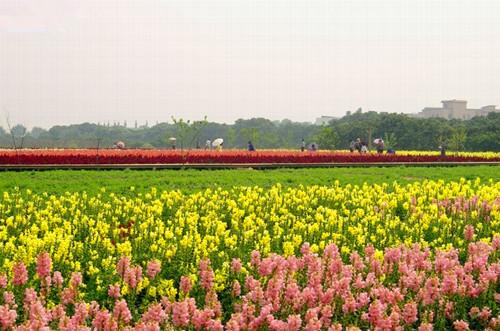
{"points": [[399, 131]]}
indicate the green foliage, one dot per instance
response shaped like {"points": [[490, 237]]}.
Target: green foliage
{"points": [[192, 180], [327, 138], [187, 132], [457, 140], [390, 140]]}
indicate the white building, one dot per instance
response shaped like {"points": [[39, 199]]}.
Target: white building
{"points": [[456, 109]]}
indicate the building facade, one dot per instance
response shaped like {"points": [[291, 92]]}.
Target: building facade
{"points": [[456, 109]]}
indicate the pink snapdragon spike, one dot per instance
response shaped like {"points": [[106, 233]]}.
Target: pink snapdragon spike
{"points": [[206, 275], [57, 279], [185, 284], [153, 268], [8, 317], [133, 276], [76, 279], [468, 232], [236, 265], [43, 264], [121, 312], [20, 274], [114, 291], [3, 281], [122, 266]]}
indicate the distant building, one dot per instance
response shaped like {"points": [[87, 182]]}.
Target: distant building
{"points": [[455, 109], [324, 120]]}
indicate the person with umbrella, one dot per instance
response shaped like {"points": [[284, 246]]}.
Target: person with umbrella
{"points": [[217, 143], [172, 141]]}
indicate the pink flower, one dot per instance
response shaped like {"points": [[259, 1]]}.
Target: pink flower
{"points": [[461, 325], [122, 266], [485, 314], [133, 276], [236, 291], [214, 325], [425, 327], [155, 313], [495, 244], [68, 296], [9, 298], [3, 281], [410, 313], [236, 265], [76, 279], [43, 264], [103, 321], [114, 291], [255, 258], [30, 297], [154, 267], [201, 318], [7, 317], [57, 278], [206, 275], [468, 232], [121, 312], [185, 284], [474, 312], [180, 314], [20, 274]]}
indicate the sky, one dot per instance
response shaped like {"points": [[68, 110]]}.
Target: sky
{"points": [[70, 61]]}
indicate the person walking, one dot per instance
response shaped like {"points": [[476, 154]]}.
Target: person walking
{"points": [[442, 149], [380, 146], [352, 146], [303, 145], [364, 148], [251, 148], [357, 145]]}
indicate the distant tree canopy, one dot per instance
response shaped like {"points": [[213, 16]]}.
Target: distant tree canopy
{"points": [[399, 130]]}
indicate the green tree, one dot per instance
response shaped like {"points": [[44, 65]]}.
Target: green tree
{"points": [[457, 140], [327, 138], [188, 132], [250, 134], [390, 140]]}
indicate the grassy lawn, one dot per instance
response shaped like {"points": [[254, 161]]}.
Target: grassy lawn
{"points": [[120, 181]]}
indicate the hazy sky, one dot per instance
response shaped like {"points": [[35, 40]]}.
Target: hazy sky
{"points": [[98, 60]]}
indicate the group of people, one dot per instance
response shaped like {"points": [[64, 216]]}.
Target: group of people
{"points": [[362, 147], [216, 144]]}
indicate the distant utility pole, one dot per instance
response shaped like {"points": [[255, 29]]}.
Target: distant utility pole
{"points": [[370, 130]]}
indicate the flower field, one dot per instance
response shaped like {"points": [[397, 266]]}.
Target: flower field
{"points": [[138, 156], [342, 257]]}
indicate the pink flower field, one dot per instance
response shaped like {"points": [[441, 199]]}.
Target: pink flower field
{"points": [[406, 288]]}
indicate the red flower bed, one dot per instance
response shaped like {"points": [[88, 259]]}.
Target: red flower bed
{"points": [[138, 156]]}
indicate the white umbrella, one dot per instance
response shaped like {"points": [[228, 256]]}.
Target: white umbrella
{"points": [[217, 142], [120, 144], [378, 141], [172, 139]]}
